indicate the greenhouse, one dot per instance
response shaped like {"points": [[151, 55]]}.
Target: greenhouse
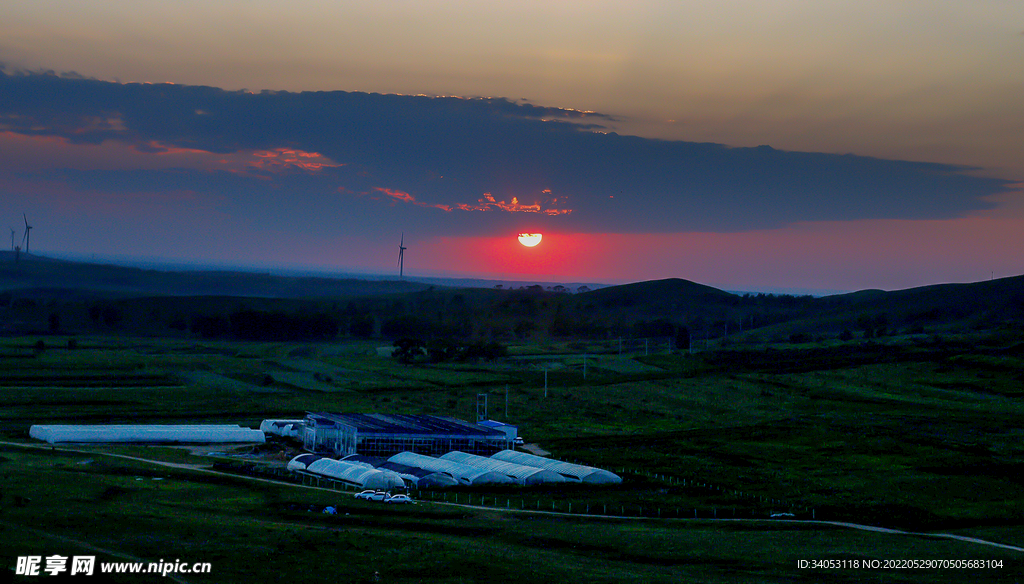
{"points": [[284, 428], [147, 434], [421, 478], [356, 474], [522, 474], [466, 475], [573, 472], [302, 461], [342, 434]]}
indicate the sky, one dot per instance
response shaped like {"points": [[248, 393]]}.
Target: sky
{"points": [[758, 145]]}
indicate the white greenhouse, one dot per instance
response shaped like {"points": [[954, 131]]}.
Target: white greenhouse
{"points": [[422, 479], [146, 434], [573, 472], [522, 474], [284, 428], [302, 461], [465, 474], [365, 477]]}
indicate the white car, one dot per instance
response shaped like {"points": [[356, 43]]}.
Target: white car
{"points": [[403, 499], [373, 495]]}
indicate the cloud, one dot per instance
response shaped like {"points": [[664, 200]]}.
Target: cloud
{"points": [[469, 165]]}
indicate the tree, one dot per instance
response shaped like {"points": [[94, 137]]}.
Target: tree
{"points": [[441, 350], [111, 316], [682, 338], [407, 349]]}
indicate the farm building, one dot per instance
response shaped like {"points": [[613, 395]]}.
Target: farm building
{"points": [[302, 461], [355, 474], [388, 434], [521, 474], [573, 472], [146, 434], [512, 432], [421, 478], [463, 473], [283, 428]]}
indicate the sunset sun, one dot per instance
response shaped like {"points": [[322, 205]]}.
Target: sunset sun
{"points": [[529, 239]]}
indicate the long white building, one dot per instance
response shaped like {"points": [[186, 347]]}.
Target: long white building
{"points": [[146, 434]]}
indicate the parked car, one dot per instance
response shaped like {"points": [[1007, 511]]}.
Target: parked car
{"points": [[373, 495], [399, 499], [518, 441]]}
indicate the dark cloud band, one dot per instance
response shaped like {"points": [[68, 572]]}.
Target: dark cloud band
{"points": [[472, 165]]}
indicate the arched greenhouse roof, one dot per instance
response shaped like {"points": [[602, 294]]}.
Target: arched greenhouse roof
{"points": [[355, 474], [288, 428], [522, 474], [302, 461], [465, 474], [586, 474]]}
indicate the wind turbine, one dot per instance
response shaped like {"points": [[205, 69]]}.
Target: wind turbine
{"points": [[28, 229], [401, 257]]}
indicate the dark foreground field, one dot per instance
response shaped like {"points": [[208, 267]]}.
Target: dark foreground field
{"points": [[916, 433]]}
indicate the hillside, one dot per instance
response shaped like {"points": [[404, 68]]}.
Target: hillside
{"points": [[659, 294], [36, 294], [33, 272]]}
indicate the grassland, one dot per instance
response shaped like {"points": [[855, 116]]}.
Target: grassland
{"points": [[907, 433]]}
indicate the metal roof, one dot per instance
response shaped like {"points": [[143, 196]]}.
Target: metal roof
{"points": [[524, 475], [494, 424], [146, 433], [357, 474], [405, 424], [465, 474], [579, 472]]}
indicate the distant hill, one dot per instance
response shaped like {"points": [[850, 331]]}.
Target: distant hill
{"points": [[49, 276], [151, 301], [659, 293], [986, 301]]}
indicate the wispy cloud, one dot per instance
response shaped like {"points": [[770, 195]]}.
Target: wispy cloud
{"points": [[484, 203]]}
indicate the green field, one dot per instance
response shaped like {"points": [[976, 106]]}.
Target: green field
{"points": [[909, 435]]}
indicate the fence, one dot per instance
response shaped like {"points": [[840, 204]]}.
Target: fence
{"points": [[648, 510], [749, 505]]}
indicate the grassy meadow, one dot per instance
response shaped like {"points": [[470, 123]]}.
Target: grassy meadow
{"points": [[927, 438], [901, 410]]}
